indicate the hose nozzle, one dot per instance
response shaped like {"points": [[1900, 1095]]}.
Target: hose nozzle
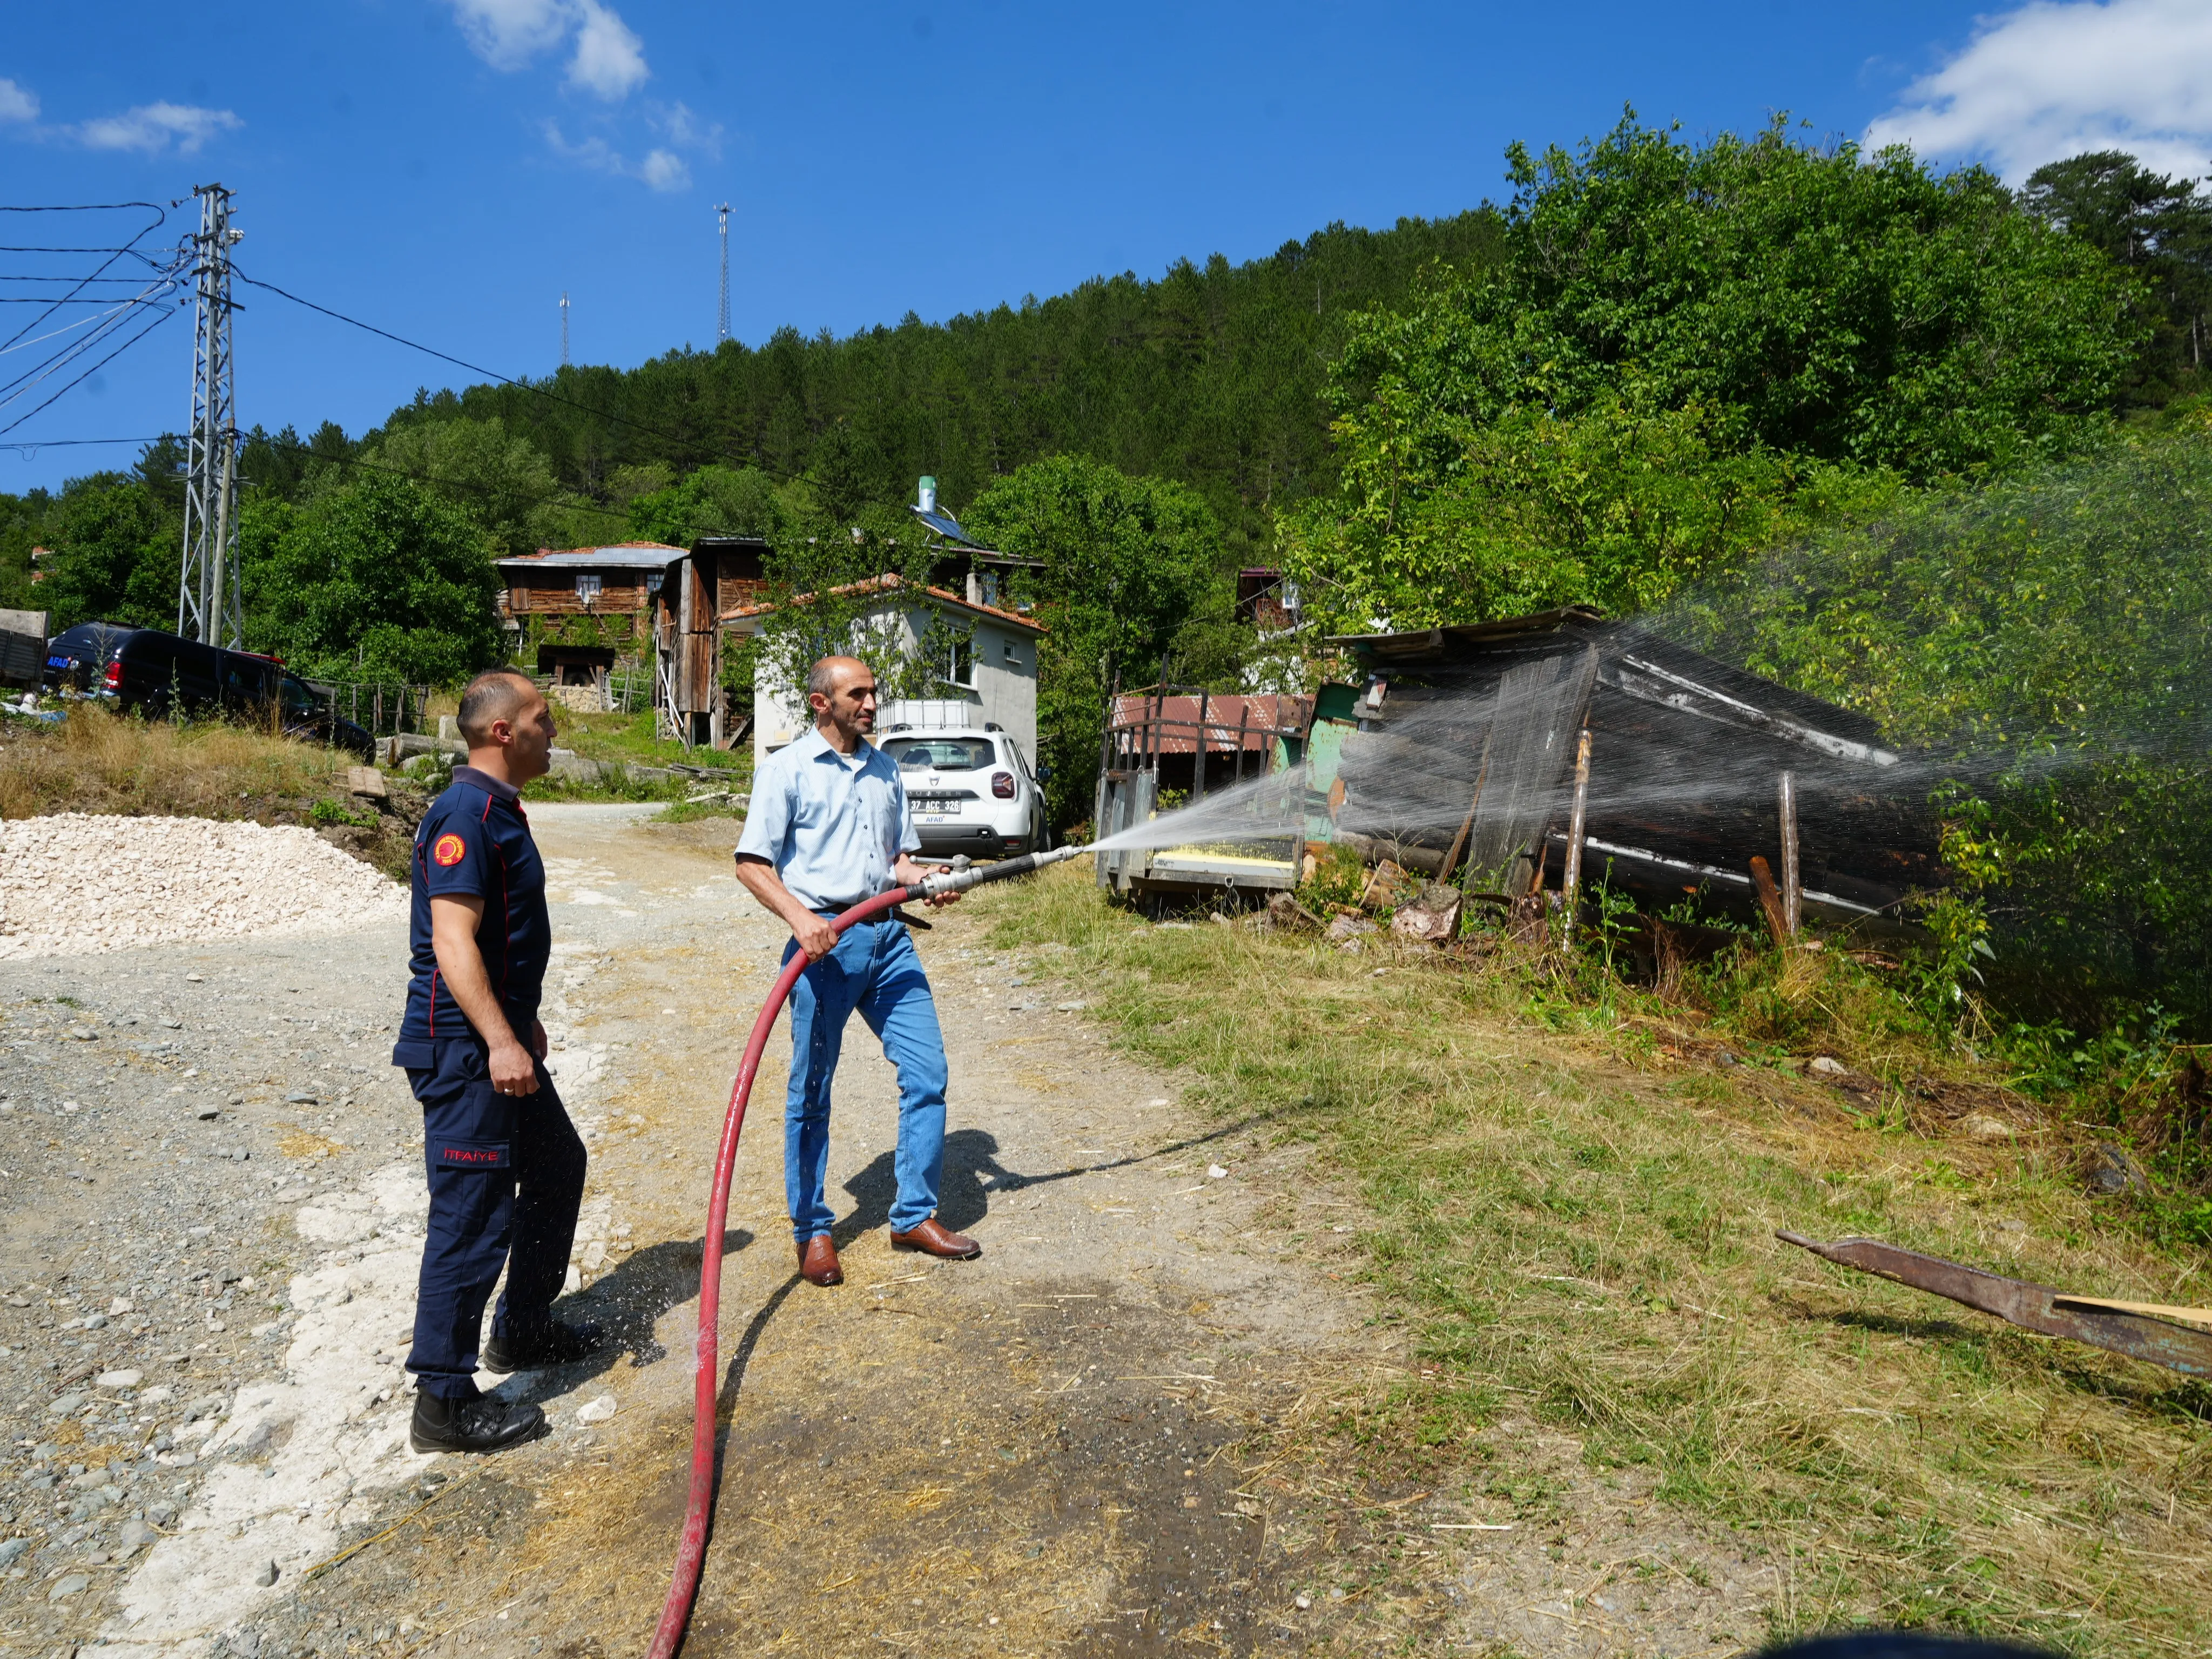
{"points": [[957, 880]]}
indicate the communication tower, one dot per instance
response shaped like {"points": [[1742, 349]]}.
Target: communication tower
{"points": [[722, 316]]}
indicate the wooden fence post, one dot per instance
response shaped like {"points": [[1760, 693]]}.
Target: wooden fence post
{"points": [[1570, 884], [1793, 891]]}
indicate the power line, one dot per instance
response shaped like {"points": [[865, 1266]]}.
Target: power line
{"points": [[296, 446], [129, 248], [397, 339], [29, 443], [478, 368], [102, 327], [89, 372], [20, 344], [46, 368], [90, 207], [68, 299]]}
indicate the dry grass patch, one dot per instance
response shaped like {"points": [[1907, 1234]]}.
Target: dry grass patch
{"points": [[99, 762], [1578, 1226]]}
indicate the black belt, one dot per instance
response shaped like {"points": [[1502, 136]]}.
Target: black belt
{"points": [[891, 914]]}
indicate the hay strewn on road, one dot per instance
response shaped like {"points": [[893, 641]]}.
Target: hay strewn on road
{"points": [[76, 882]]}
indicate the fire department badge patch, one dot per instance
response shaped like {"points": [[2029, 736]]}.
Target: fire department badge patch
{"points": [[449, 851]]}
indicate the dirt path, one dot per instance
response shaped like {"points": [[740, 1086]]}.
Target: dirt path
{"points": [[1020, 1454]]}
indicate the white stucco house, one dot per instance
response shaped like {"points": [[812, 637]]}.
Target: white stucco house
{"points": [[989, 677]]}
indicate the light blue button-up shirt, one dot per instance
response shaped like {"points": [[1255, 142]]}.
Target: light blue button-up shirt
{"points": [[833, 826]]}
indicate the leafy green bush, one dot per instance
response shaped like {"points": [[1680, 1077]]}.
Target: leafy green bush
{"points": [[326, 811], [1128, 565], [380, 579], [2045, 644]]}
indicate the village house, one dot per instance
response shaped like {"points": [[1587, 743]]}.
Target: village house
{"points": [[585, 608], [715, 595], [987, 676]]}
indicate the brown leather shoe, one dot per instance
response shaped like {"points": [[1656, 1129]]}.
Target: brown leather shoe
{"points": [[934, 1237], [817, 1262]]}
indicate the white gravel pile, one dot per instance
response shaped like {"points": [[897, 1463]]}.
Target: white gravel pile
{"points": [[76, 883]]}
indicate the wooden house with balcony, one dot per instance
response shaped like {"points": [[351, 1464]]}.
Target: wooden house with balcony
{"points": [[581, 610]]}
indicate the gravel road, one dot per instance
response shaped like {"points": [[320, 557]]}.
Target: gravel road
{"points": [[212, 1220]]}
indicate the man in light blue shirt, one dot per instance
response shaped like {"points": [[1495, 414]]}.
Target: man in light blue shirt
{"points": [[827, 827]]}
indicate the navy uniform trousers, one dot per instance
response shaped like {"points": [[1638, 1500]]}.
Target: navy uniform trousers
{"points": [[507, 1178]]}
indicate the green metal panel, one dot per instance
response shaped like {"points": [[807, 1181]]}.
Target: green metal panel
{"points": [[1335, 720], [1336, 702]]}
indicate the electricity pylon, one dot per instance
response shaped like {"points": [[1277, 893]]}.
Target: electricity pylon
{"points": [[209, 602]]}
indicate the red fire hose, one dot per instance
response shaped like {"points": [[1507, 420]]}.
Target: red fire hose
{"points": [[691, 1549]]}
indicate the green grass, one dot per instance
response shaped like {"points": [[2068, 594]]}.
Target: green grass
{"points": [[631, 739], [1568, 1207], [689, 810]]}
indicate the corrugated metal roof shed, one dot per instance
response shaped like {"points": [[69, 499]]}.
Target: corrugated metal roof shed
{"points": [[1687, 756]]}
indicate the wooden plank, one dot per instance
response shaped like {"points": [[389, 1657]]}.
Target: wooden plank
{"points": [[1770, 901], [1466, 823]]}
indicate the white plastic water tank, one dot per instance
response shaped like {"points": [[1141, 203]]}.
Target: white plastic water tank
{"points": [[929, 713]]}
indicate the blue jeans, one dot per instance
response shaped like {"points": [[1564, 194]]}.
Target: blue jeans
{"points": [[876, 969]]}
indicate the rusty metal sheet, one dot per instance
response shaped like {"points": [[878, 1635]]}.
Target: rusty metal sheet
{"points": [[1172, 724], [2031, 1307]]}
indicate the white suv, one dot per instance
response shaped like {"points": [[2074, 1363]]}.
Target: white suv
{"points": [[970, 790]]}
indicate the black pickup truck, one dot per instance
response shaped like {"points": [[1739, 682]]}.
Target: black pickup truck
{"points": [[146, 670]]}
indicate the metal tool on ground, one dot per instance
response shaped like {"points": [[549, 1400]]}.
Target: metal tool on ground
{"points": [[691, 1549], [2141, 1330]]}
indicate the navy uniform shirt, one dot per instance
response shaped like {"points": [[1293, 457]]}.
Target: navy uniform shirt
{"points": [[474, 842]]}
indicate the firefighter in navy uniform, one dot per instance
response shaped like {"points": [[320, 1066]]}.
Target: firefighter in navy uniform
{"points": [[506, 1166]]}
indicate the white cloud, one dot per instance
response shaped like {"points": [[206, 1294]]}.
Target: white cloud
{"points": [[610, 60], [680, 127], [17, 103], [661, 170], [152, 127], [509, 34], [665, 170], [2058, 77], [594, 153]]}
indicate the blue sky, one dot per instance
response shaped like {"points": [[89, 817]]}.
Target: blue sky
{"points": [[446, 168]]}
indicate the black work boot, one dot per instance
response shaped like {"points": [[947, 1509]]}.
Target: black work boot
{"points": [[481, 1424], [549, 1344]]}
